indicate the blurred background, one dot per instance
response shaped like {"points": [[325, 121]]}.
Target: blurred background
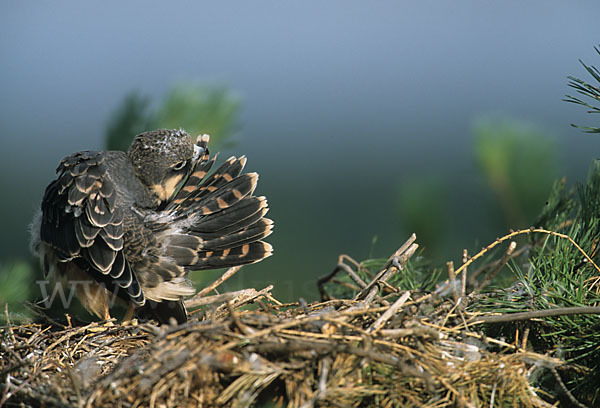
{"points": [[367, 121]]}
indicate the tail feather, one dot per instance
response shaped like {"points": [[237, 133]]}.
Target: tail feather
{"points": [[259, 230], [227, 195], [195, 188], [240, 255], [183, 248], [182, 255], [217, 221], [244, 213], [181, 200], [224, 174]]}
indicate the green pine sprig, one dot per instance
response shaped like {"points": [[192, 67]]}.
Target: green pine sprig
{"points": [[587, 90]]}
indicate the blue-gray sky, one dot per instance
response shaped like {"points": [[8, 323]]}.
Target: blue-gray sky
{"points": [[371, 92]]}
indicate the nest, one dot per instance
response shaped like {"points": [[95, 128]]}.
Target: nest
{"points": [[385, 347]]}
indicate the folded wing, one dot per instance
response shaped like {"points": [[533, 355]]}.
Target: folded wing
{"points": [[83, 224]]}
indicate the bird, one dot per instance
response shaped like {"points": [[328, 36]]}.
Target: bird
{"points": [[132, 225]]}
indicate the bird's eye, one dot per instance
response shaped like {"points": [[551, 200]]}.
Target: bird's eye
{"points": [[180, 165]]}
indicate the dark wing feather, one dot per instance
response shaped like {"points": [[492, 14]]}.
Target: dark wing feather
{"points": [[81, 221], [218, 222], [200, 170]]}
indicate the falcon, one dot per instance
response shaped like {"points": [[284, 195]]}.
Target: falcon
{"points": [[131, 225]]}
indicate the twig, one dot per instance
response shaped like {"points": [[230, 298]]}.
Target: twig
{"points": [[463, 286], [357, 265], [251, 297], [226, 275], [419, 331], [236, 320], [341, 266], [395, 263], [392, 259], [197, 301], [353, 275], [387, 315], [472, 279], [492, 274], [528, 231], [512, 317], [564, 388], [325, 365], [452, 279]]}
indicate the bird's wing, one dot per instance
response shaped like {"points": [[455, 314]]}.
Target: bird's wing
{"points": [[212, 223], [218, 222], [229, 218], [83, 223]]}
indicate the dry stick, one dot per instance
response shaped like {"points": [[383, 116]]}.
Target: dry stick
{"points": [[343, 258], [226, 275], [324, 279], [386, 266], [208, 300], [246, 298], [463, 286], [325, 366], [527, 231], [451, 311], [413, 331], [395, 263], [473, 275], [236, 320], [564, 388], [387, 315], [272, 299], [560, 311], [391, 288], [452, 279], [398, 264], [340, 266], [525, 337], [353, 275], [297, 322], [492, 274]]}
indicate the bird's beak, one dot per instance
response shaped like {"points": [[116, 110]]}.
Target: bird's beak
{"points": [[201, 147], [198, 152]]}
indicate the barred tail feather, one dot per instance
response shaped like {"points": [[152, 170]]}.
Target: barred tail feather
{"points": [[182, 199], [218, 222], [227, 195], [240, 255], [224, 174], [259, 230], [244, 213]]}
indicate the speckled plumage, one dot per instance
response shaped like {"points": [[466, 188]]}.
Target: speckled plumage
{"points": [[136, 223]]}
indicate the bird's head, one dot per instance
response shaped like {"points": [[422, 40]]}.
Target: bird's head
{"points": [[163, 158]]}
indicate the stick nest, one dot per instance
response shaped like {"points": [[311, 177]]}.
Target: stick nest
{"points": [[385, 347]]}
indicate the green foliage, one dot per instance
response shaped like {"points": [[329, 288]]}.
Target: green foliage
{"points": [[417, 275], [196, 108], [587, 90], [556, 274], [17, 284], [519, 165], [200, 109]]}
